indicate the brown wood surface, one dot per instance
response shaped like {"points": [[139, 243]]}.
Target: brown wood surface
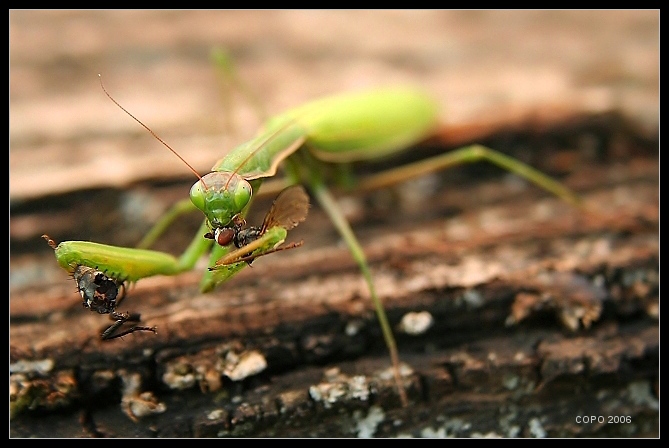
{"points": [[542, 312]]}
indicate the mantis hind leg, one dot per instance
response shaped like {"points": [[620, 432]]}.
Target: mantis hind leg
{"points": [[469, 154], [329, 205]]}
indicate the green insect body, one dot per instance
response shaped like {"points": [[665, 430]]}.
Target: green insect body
{"points": [[338, 129], [348, 127]]}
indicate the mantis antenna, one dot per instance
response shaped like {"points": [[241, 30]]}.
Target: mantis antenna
{"points": [[151, 132]]}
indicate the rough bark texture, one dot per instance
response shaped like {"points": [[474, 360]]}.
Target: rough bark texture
{"points": [[542, 312]]}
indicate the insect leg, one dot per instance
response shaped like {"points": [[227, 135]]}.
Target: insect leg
{"points": [[469, 154], [121, 318], [180, 208], [330, 206]]}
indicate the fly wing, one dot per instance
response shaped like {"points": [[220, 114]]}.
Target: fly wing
{"points": [[288, 210]]}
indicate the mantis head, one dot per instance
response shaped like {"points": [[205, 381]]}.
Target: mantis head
{"points": [[221, 196]]}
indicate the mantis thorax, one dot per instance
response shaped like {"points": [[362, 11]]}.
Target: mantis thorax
{"points": [[221, 196]]}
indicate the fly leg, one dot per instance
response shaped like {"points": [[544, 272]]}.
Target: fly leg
{"points": [[122, 318]]}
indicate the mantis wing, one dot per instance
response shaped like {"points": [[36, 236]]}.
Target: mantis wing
{"points": [[340, 128]]}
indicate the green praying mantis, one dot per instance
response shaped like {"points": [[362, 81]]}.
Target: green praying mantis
{"points": [[305, 142]]}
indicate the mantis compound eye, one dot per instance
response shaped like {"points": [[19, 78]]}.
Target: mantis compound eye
{"points": [[225, 196]]}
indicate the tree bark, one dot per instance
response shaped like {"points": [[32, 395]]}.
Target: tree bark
{"points": [[542, 313]]}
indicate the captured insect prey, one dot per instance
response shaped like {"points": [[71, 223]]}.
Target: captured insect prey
{"points": [[288, 210], [103, 294], [98, 291]]}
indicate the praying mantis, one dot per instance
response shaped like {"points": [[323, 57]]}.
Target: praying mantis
{"points": [[307, 142]]}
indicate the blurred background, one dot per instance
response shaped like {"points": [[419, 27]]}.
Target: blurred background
{"points": [[66, 135]]}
